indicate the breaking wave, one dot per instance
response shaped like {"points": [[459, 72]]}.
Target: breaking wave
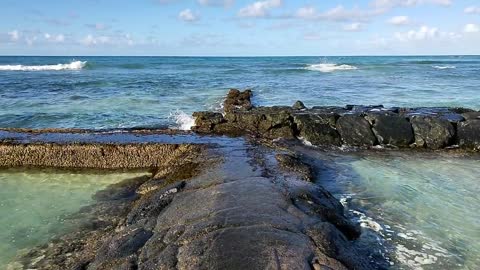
{"points": [[182, 120], [444, 67], [327, 67], [75, 65]]}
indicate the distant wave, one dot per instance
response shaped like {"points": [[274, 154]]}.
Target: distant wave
{"points": [[327, 67], [444, 67], [75, 65]]}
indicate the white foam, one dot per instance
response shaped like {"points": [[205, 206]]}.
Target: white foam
{"points": [[444, 67], [75, 65], [183, 120], [328, 67]]}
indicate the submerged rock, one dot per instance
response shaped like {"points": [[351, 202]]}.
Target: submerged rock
{"points": [[295, 164], [433, 133], [355, 131]]}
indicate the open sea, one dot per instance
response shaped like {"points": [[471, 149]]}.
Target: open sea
{"points": [[121, 92], [419, 210]]}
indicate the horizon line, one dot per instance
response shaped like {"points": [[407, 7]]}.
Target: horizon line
{"points": [[245, 56]]}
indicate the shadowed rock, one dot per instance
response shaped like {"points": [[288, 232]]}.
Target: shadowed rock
{"points": [[391, 129], [298, 105], [469, 134], [318, 129], [355, 131], [294, 163], [433, 133]]}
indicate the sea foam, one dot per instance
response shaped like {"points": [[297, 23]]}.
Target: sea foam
{"points": [[75, 65], [444, 67], [183, 121], [328, 67]]}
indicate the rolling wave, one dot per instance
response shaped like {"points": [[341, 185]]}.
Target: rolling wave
{"points": [[327, 67], [444, 67], [75, 65]]}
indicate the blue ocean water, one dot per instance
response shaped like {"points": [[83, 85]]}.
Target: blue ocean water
{"points": [[121, 92]]}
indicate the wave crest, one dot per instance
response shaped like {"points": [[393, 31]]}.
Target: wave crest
{"points": [[75, 65], [444, 67], [327, 67]]}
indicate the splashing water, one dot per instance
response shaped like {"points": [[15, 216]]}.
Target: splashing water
{"points": [[183, 121], [75, 65]]}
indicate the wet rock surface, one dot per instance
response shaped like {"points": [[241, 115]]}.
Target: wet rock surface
{"points": [[352, 125], [240, 207]]}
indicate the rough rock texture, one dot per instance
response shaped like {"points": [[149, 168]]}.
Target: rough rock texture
{"points": [[352, 125], [98, 156], [431, 132], [237, 100], [229, 216], [318, 129], [355, 131], [391, 129], [294, 163], [469, 134]]}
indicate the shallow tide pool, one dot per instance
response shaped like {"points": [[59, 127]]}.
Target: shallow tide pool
{"points": [[35, 205], [421, 210]]}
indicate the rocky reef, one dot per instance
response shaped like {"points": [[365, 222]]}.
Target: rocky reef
{"points": [[352, 125], [229, 205]]}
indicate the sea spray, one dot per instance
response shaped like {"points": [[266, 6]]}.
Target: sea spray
{"points": [[328, 67], [75, 65], [183, 121]]}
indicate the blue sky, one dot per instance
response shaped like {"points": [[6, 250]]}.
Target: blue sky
{"points": [[239, 27]]}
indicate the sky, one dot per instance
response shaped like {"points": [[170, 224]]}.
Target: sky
{"points": [[239, 27]]}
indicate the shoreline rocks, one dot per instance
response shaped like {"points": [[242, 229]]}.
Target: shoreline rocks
{"points": [[352, 125]]}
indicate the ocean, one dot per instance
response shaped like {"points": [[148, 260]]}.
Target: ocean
{"points": [[420, 208], [126, 92]]}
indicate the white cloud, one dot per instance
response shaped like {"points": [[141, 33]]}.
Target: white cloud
{"points": [[471, 28], [388, 4], [425, 33], [54, 38], [354, 27], [91, 40], [259, 9], [472, 10], [225, 3], [338, 13], [14, 35], [399, 20], [188, 15]]}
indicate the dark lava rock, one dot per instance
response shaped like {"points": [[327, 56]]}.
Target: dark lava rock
{"points": [[268, 122], [318, 129], [468, 134], [122, 245], [471, 115], [298, 105], [206, 121], [123, 190], [431, 132], [355, 131], [237, 100], [339, 247], [295, 164], [391, 129]]}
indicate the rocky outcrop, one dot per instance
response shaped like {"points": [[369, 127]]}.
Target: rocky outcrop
{"points": [[223, 213], [352, 125]]}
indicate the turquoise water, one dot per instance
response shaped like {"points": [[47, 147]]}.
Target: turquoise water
{"points": [[35, 205], [117, 92], [423, 208]]}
